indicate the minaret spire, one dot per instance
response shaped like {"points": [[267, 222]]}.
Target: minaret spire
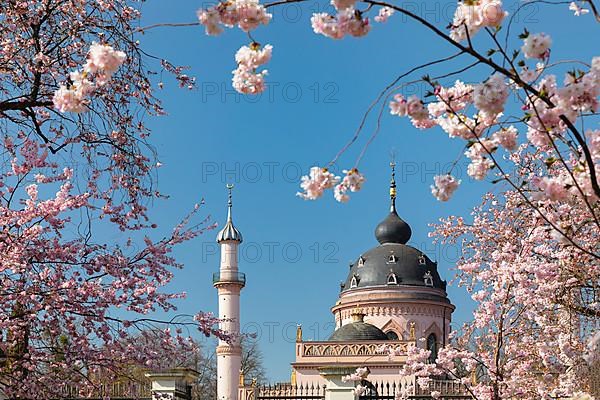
{"points": [[393, 187], [229, 231], [229, 202]]}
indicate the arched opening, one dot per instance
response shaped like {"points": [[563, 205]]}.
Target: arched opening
{"points": [[428, 279], [392, 335], [354, 282], [392, 279], [432, 346]]}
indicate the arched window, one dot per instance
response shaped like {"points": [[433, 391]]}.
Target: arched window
{"points": [[354, 281], [392, 335], [392, 279], [392, 259], [433, 347], [361, 261], [421, 259], [428, 279]]}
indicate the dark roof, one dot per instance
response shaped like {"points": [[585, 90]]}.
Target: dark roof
{"points": [[393, 262], [357, 331]]}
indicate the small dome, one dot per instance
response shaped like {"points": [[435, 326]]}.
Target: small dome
{"points": [[393, 229], [229, 232], [357, 330]]}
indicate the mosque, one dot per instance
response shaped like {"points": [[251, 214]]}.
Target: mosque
{"points": [[393, 296]]}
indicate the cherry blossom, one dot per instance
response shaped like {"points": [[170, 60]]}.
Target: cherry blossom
{"points": [[577, 9], [506, 137], [246, 79], [360, 374], [471, 16], [445, 186], [104, 61], [352, 181], [318, 180], [384, 14], [246, 14], [537, 45], [489, 97], [347, 21], [343, 4]]}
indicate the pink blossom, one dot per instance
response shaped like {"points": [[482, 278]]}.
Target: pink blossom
{"points": [[69, 100], [252, 57], [537, 45], [210, 19], [353, 181], [384, 14], [471, 16], [246, 14], [489, 97], [343, 4], [479, 167], [578, 10], [318, 180], [444, 186], [246, 79], [553, 189], [347, 21], [103, 60], [506, 137]]}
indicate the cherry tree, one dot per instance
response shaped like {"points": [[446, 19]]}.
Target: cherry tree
{"points": [[75, 93]]}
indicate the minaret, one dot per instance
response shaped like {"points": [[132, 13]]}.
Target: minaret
{"points": [[229, 283]]}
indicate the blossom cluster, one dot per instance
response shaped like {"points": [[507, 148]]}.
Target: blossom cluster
{"points": [[102, 62], [246, 14], [246, 79], [347, 21], [537, 46], [444, 186], [320, 179], [472, 15]]}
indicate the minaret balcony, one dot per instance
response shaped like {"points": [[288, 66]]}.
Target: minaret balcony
{"points": [[231, 278]]}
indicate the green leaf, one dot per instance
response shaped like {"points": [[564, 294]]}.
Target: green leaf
{"points": [[525, 34]]}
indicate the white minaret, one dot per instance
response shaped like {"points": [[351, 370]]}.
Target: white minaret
{"points": [[229, 283]]}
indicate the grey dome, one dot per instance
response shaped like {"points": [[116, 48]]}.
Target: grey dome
{"points": [[357, 330], [389, 262]]}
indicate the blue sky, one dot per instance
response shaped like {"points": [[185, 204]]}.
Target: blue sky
{"points": [[296, 252]]}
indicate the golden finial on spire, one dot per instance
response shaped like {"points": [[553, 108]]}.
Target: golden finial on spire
{"points": [[393, 183]]}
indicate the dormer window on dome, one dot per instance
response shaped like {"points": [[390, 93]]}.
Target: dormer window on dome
{"points": [[428, 279], [361, 261], [392, 279], [421, 259], [354, 282], [392, 259]]}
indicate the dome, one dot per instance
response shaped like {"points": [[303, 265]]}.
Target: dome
{"points": [[393, 229], [393, 263], [357, 330], [229, 232]]}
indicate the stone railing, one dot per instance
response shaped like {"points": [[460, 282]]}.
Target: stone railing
{"points": [[349, 349]]}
